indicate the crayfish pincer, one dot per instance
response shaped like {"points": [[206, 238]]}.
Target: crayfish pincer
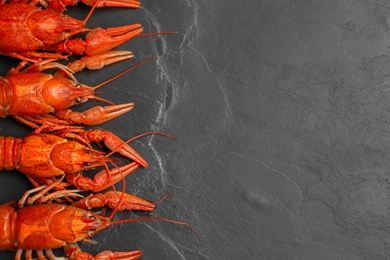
{"points": [[38, 99], [43, 227]]}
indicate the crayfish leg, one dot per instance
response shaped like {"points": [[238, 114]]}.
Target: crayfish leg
{"points": [[74, 252], [33, 56]]}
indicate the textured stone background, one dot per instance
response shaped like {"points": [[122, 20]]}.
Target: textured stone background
{"points": [[281, 110]]}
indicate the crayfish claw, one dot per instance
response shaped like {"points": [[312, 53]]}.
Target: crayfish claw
{"points": [[100, 41], [98, 115], [96, 62], [95, 115], [126, 201], [115, 144], [101, 180], [60, 5]]}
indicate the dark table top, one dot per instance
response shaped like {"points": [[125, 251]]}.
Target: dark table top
{"points": [[281, 111]]}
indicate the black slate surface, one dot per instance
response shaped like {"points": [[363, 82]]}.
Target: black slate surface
{"points": [[281, 110]]}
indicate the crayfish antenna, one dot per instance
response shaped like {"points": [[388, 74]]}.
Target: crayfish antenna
{"points": [[90, 12], [100, 98], [157, 33], [148, 219], [123, 179], [163, 198], [113, 187], [122, 73], [139, 136]]}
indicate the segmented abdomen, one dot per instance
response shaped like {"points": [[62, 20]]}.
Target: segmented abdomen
{"points": [[10, 152], [5, 97]]}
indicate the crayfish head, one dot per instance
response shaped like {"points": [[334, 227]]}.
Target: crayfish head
{"points": [[81, 224], [73, 157], [51, 27], [61, 93]]}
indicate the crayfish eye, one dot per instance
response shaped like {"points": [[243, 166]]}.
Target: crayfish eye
{"points": [[87, 164], [78, 100], [78, 86]]}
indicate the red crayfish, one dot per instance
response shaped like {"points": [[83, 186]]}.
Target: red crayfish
{"points": [[26, 28], [44, 227], [43, 157], [38, 99]]}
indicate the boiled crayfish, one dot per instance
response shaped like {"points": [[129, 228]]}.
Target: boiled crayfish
{"points": [[43, 157], [26, 28], [42, 227], [38, 99]]}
